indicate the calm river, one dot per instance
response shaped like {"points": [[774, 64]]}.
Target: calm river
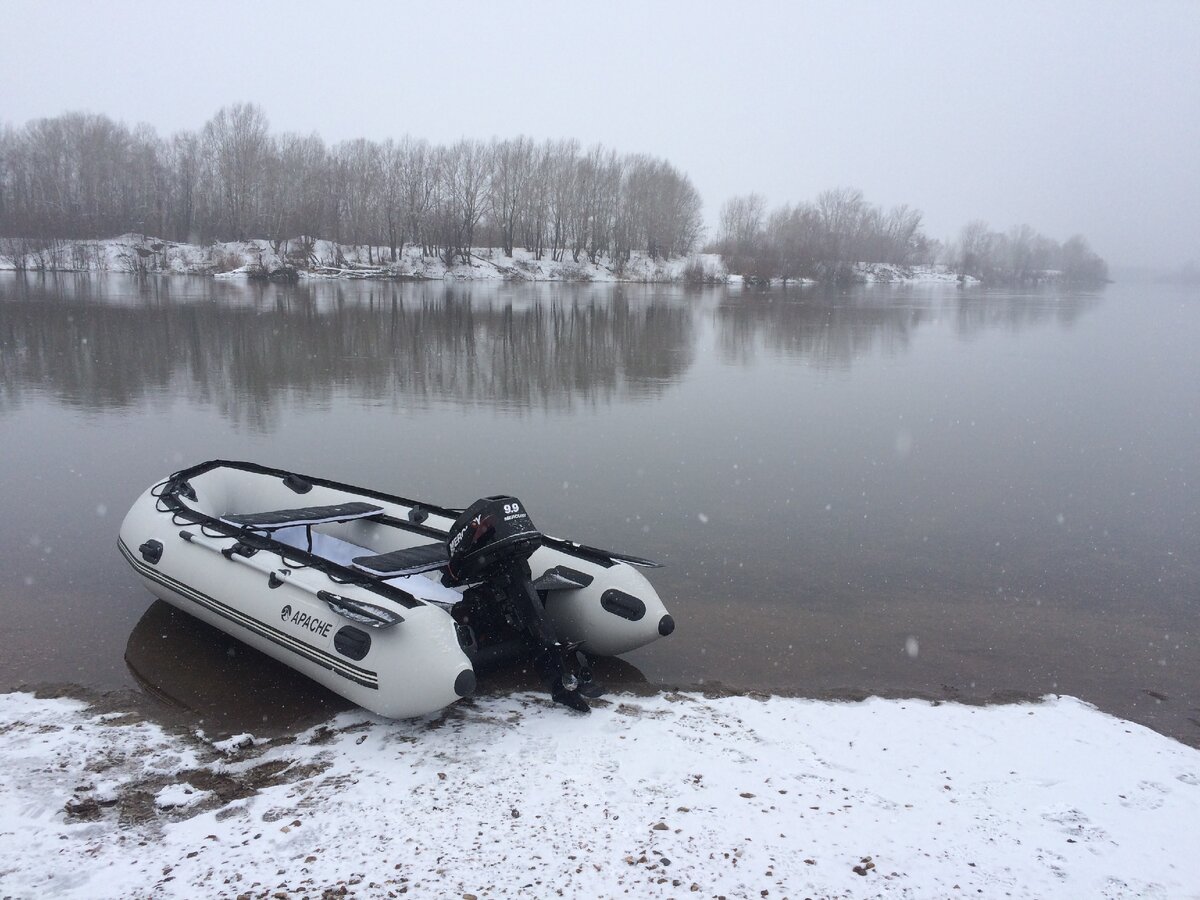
{"points": [[902, 490]]}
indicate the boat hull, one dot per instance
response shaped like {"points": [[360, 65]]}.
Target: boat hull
{"points": [[300, 607]]}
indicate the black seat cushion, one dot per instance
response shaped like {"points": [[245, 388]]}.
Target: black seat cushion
{"points": [[304, 515], [410, 561]]}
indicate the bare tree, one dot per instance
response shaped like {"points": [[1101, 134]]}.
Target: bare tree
{"points": [[741, 223], [183, 162], [1080, 265], [359, 168], [421, 176], [237, 142], [391, 207], [902, 232], [535, 209], [512, 169], [841, 211], [974, 247], [8, 144], [564, 176]]}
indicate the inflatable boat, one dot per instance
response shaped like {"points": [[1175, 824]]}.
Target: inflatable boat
{"points": [[393, 603]]}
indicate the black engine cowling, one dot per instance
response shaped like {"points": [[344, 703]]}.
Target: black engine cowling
{"points": [[490, 543], [490, 533]]}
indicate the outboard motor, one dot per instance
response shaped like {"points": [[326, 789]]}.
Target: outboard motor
{"points": [[490, 533], [490, 544]]}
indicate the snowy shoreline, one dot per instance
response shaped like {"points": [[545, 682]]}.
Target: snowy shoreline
{"points": [[295, 259], [664, 796]]}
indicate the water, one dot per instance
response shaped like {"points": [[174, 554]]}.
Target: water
{"points": [[903, 490]]}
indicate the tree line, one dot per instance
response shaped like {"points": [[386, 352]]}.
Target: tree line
{"points": [[821, 240], [1023, 256], [82, 175], [825, 240]]}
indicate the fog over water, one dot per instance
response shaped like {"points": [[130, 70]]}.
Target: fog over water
{"points": [[1070, 117]]}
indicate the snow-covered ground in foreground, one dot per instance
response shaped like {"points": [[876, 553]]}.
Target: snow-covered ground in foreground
{"points": [[670, 796], [325, 259]]}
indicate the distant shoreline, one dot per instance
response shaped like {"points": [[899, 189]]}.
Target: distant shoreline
{"points": [[293, 260]]}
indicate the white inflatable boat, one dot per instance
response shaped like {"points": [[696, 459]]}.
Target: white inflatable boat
{"points": [[392, 603]]}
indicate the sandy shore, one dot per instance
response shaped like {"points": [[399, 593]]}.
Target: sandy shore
{"points": [[675, 795]]}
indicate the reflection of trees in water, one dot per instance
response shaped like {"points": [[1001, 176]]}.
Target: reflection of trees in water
{"points": [[826, 330], [88, 359], [830, 329], [245, 348], [251, 349], [989, 311]]}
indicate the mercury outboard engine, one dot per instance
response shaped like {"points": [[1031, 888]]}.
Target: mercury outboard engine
{"points": [[490, 533], [490, 545]]}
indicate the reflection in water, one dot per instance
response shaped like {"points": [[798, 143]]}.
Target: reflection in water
{"points": [[1019, 311], [824, 332], [187, 664], [831, 329], [190, 666], [416, 343], [249, 348]]}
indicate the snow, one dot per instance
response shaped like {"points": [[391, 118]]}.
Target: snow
{"points": [[675, 795], [234, 745], [238, 259], [888, 273], [182, 794], [325, 259]]}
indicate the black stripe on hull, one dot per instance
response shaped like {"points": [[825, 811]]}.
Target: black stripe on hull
{"points": [[364, 677]]}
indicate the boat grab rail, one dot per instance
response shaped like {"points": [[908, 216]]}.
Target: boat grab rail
{"points": [[169, 492], [168, 502], [357, 611]]}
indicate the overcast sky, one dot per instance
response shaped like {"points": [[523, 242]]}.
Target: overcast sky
{"points": [[1069, 116]]}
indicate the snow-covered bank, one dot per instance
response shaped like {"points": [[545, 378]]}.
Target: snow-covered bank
{"points": [[135, 253], [889, 273], [669, 796]]}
